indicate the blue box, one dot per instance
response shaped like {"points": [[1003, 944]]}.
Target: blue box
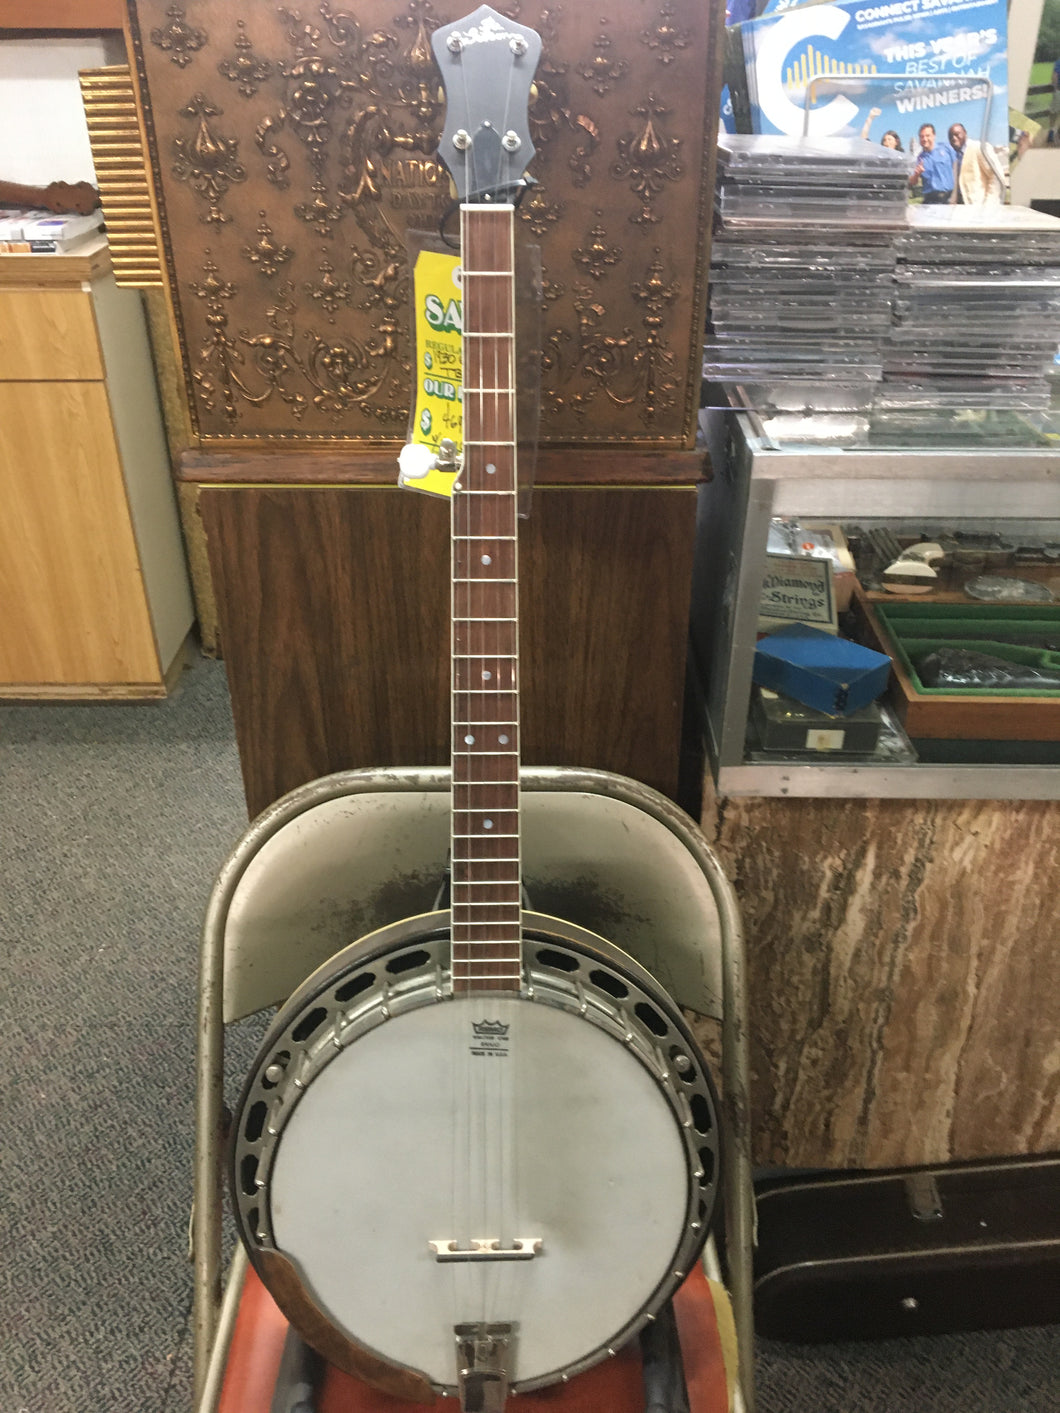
{"points": [[820, 670]]}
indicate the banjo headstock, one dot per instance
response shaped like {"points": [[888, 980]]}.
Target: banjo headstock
{"points": [[487, 63]]}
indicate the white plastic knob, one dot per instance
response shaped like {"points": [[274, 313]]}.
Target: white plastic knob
{"points": [[414, 461]]}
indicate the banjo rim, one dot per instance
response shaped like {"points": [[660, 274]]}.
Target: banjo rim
{"points": [[281, 1274]]}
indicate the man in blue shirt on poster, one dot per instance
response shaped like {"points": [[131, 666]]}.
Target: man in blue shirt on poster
{"points": [[936, 168]]}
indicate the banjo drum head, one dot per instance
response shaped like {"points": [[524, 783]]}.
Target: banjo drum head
{"points": [[525, 1121]]}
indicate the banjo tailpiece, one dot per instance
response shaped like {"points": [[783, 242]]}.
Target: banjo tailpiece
{"points": [[482, 1355]]}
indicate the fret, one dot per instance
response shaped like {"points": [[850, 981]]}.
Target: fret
{"points": [[492, 441], [477, 618], [500, 941], [512, 970], [485, 657], [507, 975], [472, 882], [478, 792], [516, 978], [485, 579]]}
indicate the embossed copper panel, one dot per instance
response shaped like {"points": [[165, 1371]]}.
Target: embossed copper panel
{"points": [[293, 148]]}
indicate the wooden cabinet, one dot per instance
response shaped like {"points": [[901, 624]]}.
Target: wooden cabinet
{"points": [[334, 604], [94, 598]]}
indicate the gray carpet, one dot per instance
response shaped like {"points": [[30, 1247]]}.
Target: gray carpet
{"points": [[113, 821]]}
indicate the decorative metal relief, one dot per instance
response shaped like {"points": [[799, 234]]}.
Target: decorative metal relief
{"points": [[595, 257], [295, 147], [604, 69], [179, 40], [266, 254], [648, 159], [666, 39], [635, 371], [246, 70], [207, 161]]}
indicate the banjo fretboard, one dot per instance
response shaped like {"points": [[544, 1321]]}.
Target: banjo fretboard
{"points": [[486, 883]]}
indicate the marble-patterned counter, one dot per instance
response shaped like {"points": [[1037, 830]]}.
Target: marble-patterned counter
{"points": [[904, 976]]}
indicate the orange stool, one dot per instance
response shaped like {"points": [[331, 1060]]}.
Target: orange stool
{"points": [[615, 1386]]}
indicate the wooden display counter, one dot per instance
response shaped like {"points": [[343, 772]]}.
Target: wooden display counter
{"points": [[94, 598]]}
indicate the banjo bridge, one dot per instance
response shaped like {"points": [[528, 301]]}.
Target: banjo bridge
{"points": [[523, 1248]]}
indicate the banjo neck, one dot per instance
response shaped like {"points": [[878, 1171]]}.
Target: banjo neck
{"points": [[486, 878]]}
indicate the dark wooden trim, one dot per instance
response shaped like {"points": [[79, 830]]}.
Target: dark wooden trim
{"points": [[82, 16], [555, 466]]}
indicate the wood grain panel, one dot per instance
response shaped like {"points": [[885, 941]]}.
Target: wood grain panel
{"points": [[334, 624], [903, 973], [333, 609], [605, 595], [41, 271], [70, 15], [327, 467], [72, 602], [48, 334]]}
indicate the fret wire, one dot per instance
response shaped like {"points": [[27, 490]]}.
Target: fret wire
{"points": [[492, 882], [484, 922], [513, 977], [486, 835], [477, 962], [474, 783], [484, 579]]}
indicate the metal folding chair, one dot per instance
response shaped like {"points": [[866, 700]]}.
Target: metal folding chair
{"points": [[354, 851]]}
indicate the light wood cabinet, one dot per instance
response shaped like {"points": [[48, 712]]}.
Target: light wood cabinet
{"points": [[94, 596]]}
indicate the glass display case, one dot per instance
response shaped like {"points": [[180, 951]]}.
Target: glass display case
{"points": [[993, 473]]}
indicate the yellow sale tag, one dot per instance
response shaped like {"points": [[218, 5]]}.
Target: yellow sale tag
{"points": [[439, 373]]}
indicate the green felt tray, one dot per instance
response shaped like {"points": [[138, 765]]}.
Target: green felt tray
{"points": [[916, 629]]}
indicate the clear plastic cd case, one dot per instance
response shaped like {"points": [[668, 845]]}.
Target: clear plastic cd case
{"points": [[832, 297]]}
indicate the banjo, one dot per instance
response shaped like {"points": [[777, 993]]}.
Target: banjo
{"points": [[478, 1149]]}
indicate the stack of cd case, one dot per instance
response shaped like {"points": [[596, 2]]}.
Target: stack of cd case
{"points": [[976, 311], [802, 270]]}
